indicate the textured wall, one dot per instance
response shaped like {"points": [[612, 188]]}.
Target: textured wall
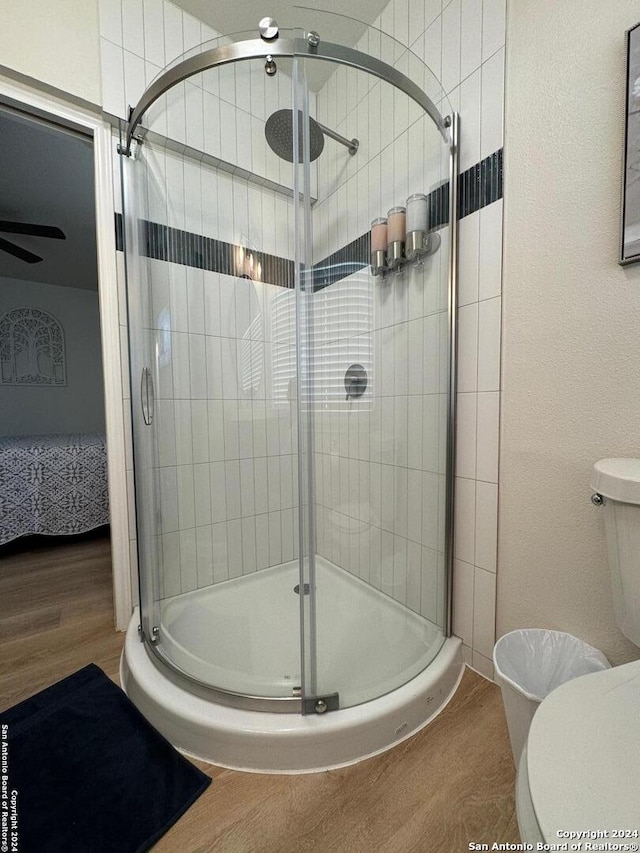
{"points": [[56, 43], [571, 346]]}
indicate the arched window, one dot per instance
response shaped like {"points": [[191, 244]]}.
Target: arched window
{"points": [[31, 348]]}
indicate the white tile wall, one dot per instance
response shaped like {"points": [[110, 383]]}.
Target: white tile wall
{"points": [[462, 41], [492, 109], [208, 522], [221, 113], [493, 27], [223, 438], [468, 263], [490, 256], [451, 46], [480, 98], [380, 487]]}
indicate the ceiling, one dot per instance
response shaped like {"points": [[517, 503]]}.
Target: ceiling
{"points": [[228, 18], [46, 178]]}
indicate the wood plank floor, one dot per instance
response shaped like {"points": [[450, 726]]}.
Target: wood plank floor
{"points": [[56, 613], [450, 784]]}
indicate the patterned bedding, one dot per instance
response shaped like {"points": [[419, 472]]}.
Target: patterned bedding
{"points": [[52, 484]]}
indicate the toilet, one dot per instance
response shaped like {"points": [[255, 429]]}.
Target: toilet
{"points": [[579, 772]]}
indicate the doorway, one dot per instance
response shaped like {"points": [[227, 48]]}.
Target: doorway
{"points": [[93, 244], [53, 453]]}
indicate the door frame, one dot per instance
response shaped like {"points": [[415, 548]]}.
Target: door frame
{"points": [[60, 111]]}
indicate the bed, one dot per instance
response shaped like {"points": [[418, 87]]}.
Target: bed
{"points": [[52, 484]]}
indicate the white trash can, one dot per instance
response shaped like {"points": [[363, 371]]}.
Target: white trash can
{"points": [[532, 662]]}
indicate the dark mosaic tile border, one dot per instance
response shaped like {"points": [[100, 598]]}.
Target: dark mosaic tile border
{"points": [[206, 253], [119, 233], [478, 186], [347, 260]]}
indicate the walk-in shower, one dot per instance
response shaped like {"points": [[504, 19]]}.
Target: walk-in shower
{"points": [[293, 414]]}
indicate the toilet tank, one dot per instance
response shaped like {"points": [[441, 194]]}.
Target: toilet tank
{"points": [[617, 481]]}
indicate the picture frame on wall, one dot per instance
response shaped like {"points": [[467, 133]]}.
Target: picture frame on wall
{"points": [[630, 232]]}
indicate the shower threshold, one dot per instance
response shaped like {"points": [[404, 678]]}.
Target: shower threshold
{"points": [[242, 635]]}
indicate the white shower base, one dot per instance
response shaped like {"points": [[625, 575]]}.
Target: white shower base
{"points": [[243, 636]]}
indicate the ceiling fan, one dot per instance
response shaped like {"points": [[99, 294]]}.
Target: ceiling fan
{"points": [[31, 231]]}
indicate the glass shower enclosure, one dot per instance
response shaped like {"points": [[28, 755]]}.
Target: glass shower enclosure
{"points": [[292, 411]]}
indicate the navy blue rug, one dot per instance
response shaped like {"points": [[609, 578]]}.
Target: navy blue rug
{"points": [[87, 773]]}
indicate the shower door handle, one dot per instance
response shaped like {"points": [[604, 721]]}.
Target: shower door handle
{"points": [[147, 396]]}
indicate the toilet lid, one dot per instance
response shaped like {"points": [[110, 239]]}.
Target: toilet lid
{"points": [[583, 755]]}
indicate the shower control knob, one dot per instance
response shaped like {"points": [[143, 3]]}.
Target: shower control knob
{"points": [[268, 28], [320, 706], [355, 381]]}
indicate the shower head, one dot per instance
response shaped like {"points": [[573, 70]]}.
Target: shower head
{"points": [[279, 133]]}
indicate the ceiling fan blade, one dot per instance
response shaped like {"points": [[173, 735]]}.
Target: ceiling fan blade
{"points": [[32, 230], [19, 252]]}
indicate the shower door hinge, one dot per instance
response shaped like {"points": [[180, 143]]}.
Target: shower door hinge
{"points": [[155, 634], [321, 704], [132, 149]]}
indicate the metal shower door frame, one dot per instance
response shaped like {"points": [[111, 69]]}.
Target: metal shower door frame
{"points": [[283, 47], [304, 347], [452, 309], [448, 128]]}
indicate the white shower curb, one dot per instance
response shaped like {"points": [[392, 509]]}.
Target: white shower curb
{"points": [[265, 742]]}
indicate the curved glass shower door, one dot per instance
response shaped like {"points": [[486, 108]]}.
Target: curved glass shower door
{"points": [[290, 408], [216, 293], [380, 381]]}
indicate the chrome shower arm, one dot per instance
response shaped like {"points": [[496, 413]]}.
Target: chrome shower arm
{"points": [[351, 145]]}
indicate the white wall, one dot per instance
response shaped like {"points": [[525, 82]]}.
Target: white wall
{"points": [[56, 43], [571, 347], [78, 406]]}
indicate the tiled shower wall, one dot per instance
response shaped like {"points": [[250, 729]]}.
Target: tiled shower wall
{"points": [[471, 37], [477, 90], [221, 112], [462, 41], [227, 463], [381, 458], [225, 425]]}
